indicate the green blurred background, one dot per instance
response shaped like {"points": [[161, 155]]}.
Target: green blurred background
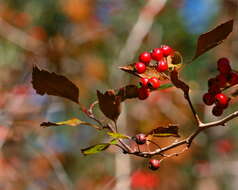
{"points": [[86, 40]]}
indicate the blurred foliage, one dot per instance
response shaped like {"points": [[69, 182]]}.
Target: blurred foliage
{"points": [[82, 39]]}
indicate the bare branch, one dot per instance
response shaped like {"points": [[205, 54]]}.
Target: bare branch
{"points": [[188, 141], [220, 122]]}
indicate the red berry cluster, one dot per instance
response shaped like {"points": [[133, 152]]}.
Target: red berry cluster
{"points": [[224, 79], [145, 59]]}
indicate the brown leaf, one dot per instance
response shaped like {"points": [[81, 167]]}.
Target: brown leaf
{"points": [[127, 92], [150, 72], [170, 131], [213, 38], [45, 82], [109, 104], [178, 83], [48, 124], [175, 61]]}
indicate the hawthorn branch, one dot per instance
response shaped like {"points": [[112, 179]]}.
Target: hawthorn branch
{"points": [[187, 141], [221, 122]]}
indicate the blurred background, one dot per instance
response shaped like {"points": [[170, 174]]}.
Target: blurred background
{"points": [[86, 40]]}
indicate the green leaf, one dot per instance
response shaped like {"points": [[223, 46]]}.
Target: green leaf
{"points": [[98, 147], [165, 86], [118, 135], [72, 122], [95, 148], [113, 142]]}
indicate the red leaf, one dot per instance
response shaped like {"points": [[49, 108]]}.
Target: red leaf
{"points": [[54, 84], [213, 38], [109, 104]]}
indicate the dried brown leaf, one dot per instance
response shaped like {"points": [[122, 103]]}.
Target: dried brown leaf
{"points": [[213, 38], [109, 104], [128, 92], [150, 72], [45, 82], [175, 61], [168, 131]]}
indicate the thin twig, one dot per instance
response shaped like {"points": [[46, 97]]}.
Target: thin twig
{"points": [[92, 106], [187, 97], [220, 122], [174, 154], [115, 124]]}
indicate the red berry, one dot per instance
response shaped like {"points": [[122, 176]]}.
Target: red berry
{"points": [[217, 111], [157, 54], [221, 80], [223, 65], [162, 66], [212, 82], [145, 57], [154, 83], [143, 93], [224, 146], [221, 100], [233, 78], [154, 164], [144, 82], [140, 139], [214, 89], [140, 67], [208, 99], [167, 50]]}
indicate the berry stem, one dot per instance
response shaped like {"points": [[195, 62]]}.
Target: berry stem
{"points": [[187, 97]]}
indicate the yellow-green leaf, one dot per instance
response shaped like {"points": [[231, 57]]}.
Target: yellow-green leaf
{"points": [[165, 86], [98, 147], [113, 142], [118, 135], [95, 148], [72, 122]]}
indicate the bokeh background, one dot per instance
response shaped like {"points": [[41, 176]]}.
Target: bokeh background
{"points": [[86, 40]]}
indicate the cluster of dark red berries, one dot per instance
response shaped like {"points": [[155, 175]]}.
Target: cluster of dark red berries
{"points": [[145, 59], [140, 139], [224, 79]]}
